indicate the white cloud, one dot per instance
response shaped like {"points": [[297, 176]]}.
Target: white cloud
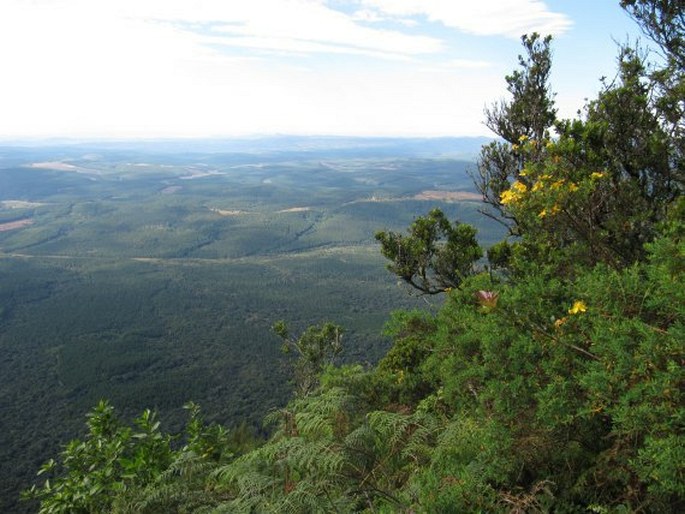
{"points": [[292, 46], [284, 24], [510, 18], [159, 68], [374, 16], [368, 16]]}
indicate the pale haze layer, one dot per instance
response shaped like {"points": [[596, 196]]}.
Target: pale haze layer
{"points": [[181, 68]]}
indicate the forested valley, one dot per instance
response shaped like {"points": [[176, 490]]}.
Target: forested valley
{"points": [[537, 366], [151, 273]]}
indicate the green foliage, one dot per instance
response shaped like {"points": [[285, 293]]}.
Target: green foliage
{"points": [[300, 468], [617, 170], [184, 485], [125, 470], [327, 457], [435, 256], [111, 459], [399, 376], [500, 255], [466, 464], [316, 347], [583, 375]]}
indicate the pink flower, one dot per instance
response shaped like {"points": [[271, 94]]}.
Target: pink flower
{"points": [[487, 298]]}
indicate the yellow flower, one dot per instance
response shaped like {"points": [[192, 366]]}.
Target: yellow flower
{"points": [[508, 197], [537, 186], [573, 187], [523, 173], [554, 210], [543, 213], [523, 138], [519, 187], [596, 175], [578, 307], [559, 322], [558, 183], [513, 194], [514, 147]]}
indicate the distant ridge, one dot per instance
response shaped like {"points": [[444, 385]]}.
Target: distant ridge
{"points": [[453, 147]]}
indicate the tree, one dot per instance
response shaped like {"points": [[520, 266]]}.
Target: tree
{"points": [[663, 21], [436, 255], [598, 190], [317, 346], [530, 112], [526, 117]]}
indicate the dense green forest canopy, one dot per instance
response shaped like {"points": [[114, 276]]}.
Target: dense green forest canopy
{"points": [[550, 380], [151, 273]]}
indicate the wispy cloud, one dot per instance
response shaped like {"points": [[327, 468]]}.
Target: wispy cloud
{"points": [[182, 67], [298, 26], [286, 25], [317, 24], [510, 18]]}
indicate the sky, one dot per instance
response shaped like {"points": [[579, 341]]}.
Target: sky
{"points": [[207, 68]]}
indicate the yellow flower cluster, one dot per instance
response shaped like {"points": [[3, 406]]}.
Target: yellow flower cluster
{"points": [[513, 194], [578, 307], [519, 187]]}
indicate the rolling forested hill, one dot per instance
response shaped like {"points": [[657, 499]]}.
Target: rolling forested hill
{"points": [[150, 274]]}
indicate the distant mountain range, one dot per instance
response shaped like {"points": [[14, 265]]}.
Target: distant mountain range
{"points": [[454, 147]]}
